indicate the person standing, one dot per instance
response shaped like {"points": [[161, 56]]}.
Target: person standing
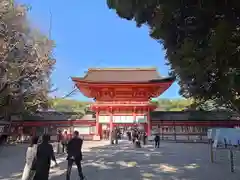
{"points": [[74, 155], [157, 141], [129, 135], [134, 136], [144, 138], [44, 156], [30, 158], [117, 134], [64, 141]]}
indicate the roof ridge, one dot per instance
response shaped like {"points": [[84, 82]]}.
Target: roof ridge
{"points": [[124, 69]]}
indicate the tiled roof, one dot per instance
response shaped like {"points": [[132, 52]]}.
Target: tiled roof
{"points": [[122, 75], [52, 116], [58, 116], [88, 117], [190, 115]]}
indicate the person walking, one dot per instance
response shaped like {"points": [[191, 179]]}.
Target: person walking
{"points": [[44, 156], [29, 170], [157, 141], [74, 155]]}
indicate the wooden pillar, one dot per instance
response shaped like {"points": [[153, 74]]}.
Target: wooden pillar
{"points": [[111, 120], [33, 131], [174, 129], [100, 130], [145, 127], [134, 115], [111, 126], [148, 123], [97, 123], [71, 129]]}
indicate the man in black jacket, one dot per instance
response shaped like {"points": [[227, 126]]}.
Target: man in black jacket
{"points": [[74, 151], [157, 141]]}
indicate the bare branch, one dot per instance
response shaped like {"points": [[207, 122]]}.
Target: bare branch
{"points": [[25, 59]]}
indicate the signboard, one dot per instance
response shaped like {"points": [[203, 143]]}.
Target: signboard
{"points": [[209, 133], [215, 143], [141, 119], [231, 136], [127, 119], [104, 119], [123, 119]]}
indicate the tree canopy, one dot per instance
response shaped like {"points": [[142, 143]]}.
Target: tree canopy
{"points": [[201, 39], [68, 105], [26, 62]]}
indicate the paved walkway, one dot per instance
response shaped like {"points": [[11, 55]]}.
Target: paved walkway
{"points": [[12, 159], [123, 162]]}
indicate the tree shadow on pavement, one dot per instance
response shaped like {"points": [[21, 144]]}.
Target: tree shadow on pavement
{"points": [[169, 162], [12, 161]]}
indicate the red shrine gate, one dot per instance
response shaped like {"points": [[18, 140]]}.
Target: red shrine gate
{"points": [[122, 95], [119, 113]]}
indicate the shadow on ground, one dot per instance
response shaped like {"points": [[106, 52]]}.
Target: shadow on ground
{"points": [[123, 162], [12, 161], [170, 162]]}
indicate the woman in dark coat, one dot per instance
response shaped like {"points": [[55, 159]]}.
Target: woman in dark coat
{"points": [[45, 154]]}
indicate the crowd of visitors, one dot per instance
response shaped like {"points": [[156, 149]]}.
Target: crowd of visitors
{"points": [[40, 155], [136, 136]]}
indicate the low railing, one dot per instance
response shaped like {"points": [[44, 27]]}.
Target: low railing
{"points": [[184, 137]]}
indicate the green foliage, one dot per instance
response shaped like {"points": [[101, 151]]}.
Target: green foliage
{"points": [[201, 39], [67, 105], [209, 105], [173, 104]]}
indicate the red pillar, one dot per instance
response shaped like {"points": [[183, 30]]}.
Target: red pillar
{"points": [[149, 126], [134, 115], [111, 126], [111, 121], [100, 130], [33, 131], [97, 123], [71, 130]]}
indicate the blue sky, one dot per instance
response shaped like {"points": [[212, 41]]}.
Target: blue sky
{"points": [[88, 34]]}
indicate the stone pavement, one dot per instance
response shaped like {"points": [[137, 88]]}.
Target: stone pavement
{"points": [[12, 159], [173, 161]]}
